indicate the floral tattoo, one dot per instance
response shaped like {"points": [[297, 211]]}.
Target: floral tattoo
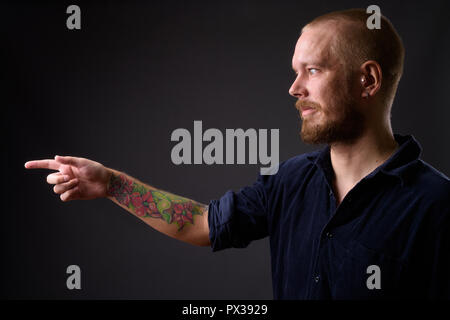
{"points": [[153, 203]]}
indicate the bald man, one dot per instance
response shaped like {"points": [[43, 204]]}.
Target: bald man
{"points": [[362, 218]]}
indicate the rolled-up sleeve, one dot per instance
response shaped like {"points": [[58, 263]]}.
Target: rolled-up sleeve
{"points": [[238, 218]]}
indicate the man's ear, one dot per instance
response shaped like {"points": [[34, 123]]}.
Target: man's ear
{"points": [[371, 77]]}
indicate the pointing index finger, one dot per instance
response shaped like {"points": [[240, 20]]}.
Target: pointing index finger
{"points": [[42, 164]]}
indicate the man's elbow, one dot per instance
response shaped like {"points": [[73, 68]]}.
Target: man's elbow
{"points": [[202, 241]]}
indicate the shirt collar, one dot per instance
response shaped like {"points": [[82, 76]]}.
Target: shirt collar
{"points": [[397, 165]]}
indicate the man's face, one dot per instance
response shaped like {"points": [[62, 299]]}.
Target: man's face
{"points": [[323, 87]]}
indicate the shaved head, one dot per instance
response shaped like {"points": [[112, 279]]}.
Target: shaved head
{"points": [[354, 44]]}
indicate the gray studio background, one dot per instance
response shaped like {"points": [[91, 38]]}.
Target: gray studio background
{"points": [[116, 89]]}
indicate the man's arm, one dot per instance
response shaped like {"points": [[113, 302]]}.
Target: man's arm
{"points": [[175, 216], [84, 179]]}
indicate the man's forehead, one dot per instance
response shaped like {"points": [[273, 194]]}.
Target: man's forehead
{"points": [[314, 44]]}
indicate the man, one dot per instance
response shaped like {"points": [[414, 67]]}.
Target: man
{"points": [[362, 218]]}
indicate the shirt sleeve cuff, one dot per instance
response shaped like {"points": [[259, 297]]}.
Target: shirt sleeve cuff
{"points": [[219, 217]]}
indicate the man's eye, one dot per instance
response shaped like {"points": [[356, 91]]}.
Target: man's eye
{"points": [[313, 70]]}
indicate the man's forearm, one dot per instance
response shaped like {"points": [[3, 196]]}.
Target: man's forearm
{"points": [[175, 216]]}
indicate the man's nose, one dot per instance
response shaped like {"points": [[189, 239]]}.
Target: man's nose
{"points": [[298, 89]]}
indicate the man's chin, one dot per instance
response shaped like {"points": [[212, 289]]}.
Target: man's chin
{"points": [[321, 133], [313, 136], [312, 140], [329, 135]]}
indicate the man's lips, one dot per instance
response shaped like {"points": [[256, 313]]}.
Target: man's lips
{"points": [[307, 110]]}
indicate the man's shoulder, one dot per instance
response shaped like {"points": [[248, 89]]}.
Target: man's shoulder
{"points": [[428, 176], [431, 189], [429, 183]]}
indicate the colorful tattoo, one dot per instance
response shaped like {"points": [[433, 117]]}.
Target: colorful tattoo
{"points": [[153, 203]]}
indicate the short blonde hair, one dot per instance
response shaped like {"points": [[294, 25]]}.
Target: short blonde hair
{"points": [[355, 43]]}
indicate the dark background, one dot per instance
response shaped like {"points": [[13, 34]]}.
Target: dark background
{"points": [[116, 89]]}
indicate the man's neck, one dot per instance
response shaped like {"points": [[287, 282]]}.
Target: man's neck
{"points": [[353, 161]]}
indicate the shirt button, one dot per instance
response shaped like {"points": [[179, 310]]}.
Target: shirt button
{"points": [[316, 279]]}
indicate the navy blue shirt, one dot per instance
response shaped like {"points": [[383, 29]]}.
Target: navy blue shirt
{"points": [[396, 219]]}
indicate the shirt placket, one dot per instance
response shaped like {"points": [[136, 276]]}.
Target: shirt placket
{"points": [[326, 235]]}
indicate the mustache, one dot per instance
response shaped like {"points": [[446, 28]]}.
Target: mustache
{"points": [[299, 104]]}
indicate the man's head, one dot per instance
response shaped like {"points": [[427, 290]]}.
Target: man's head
{"points": [[346, 76]]}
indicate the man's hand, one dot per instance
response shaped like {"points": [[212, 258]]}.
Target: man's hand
{"points": [[76, 179]]}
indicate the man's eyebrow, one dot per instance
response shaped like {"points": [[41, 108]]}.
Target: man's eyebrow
{"points": [[311, 63]]}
